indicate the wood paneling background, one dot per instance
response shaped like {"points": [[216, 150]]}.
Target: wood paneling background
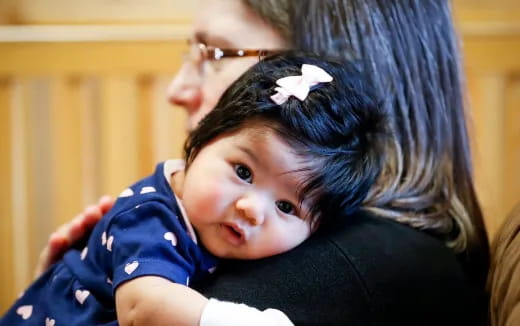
{"points": [[490, 33], [83, 111], [95, 11], [78, 119]]}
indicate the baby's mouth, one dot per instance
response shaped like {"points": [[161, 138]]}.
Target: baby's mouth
{"points": [[238, 234], [234, 234]]}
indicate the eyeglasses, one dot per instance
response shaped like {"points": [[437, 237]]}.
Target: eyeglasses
{"points": [[200, 53]]}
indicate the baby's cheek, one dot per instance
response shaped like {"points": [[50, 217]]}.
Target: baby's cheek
{"points": [[210, 198], [290, 237]]}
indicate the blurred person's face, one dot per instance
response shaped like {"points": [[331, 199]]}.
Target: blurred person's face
{"points": [[223, 24]]}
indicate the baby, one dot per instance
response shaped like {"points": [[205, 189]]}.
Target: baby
{"points": [[294, 141]]}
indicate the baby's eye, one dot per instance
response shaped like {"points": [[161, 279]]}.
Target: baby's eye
{"points": [[285, 207], [244, 173]]}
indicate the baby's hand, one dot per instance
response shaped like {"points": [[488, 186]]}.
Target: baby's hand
{"points": [[71, 233]]}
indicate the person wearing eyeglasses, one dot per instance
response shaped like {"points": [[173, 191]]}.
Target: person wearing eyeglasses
{"points": [[419, 253]]}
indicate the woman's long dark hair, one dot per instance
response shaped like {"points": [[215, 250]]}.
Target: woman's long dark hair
{"points": [[409, 51]]}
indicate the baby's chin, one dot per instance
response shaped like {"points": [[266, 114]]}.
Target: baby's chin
{"points": [[233, 253], [241, 255]]}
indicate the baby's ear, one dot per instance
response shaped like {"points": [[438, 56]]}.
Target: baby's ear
{"points": [[177, 183]]}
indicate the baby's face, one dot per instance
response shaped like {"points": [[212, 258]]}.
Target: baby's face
{"points": [[240, 194]]}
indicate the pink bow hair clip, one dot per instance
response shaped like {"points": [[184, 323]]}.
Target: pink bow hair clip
{"points": [[299, 86]]}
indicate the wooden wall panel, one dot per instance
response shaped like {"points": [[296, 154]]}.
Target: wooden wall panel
{"points": [[167, 139], [511, 136], [6, 195], [95, 11], [488, 152], [90, 58], [24, 185], [493, 68], [65, 166], [76, 125], [118, 133]]}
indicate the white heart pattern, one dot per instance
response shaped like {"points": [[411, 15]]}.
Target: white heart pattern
{"points": [[103, 238], [131, 267], [110, 240], [126, 193], [25, 311], [81, 295], [171, 237], [212, 269], [49, 321], [109, 281], [84, 253], [146, 190]]}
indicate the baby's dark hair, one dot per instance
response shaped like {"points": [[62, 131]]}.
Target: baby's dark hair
{"points": [[339, 130]]}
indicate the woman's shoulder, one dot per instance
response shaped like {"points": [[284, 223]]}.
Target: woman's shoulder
{"points": [[407, 275], [368, 271], [370, 241]]}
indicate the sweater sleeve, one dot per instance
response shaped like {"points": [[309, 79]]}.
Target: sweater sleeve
{"points": [[223, 313]]}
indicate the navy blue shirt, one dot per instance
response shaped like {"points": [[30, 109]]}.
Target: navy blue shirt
{"points": [[145, 233]]}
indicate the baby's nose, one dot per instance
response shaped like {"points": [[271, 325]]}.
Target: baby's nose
{"points": [[251, 209]]}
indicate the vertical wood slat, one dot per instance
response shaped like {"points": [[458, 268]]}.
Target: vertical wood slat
{"points": [[487, 101], [90, 139], [21, 175], [66, 148], [511, 136], [36, 105], [144, 124], [169, 124], [119, 139], [6, 199]]}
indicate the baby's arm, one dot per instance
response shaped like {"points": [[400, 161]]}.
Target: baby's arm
{"points": [[152, 300]]}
